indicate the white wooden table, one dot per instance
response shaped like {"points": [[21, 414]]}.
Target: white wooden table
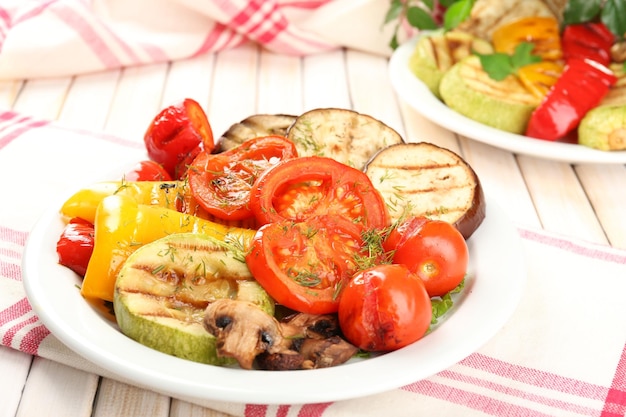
{"points": [[583, 201]]}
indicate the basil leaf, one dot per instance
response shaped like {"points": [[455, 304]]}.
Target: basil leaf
{"points": [[420, 18], [395, 8], [457, 13], [580, 11], [500, 65], [614, 17]]}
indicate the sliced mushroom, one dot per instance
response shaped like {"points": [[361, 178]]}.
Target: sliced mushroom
{"points": [[310, 326], [242, 330], [324, 353]]}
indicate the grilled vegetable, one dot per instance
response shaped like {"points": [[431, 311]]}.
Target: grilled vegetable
{"points": [[469, 90], [123, 226], [164, 288], [488, 15], [604, 128], [581, 87], [343, 135], [542, 32], [252, 127], [423, 179], [436, 53]]}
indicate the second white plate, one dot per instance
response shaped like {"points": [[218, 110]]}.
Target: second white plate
{"points": [[419, 97]]}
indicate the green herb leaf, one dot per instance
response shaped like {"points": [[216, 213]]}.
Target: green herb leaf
{"points": [[500, 65], [614, 17], [457, 13], [579, 11], [394, 11], [420, 18]]}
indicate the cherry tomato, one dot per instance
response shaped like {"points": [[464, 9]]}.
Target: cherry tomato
{"points": [[401, 230], [304, 265], [147, 171], [384, 308], [75, 245], [437, 253], [221, 183], [300, 188], [177, 131]]}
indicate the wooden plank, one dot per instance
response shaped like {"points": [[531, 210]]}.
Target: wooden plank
{"points": [[190, 78], [57, 390], [370, 88], [9, 91], [604, 186], [233, 92], [137, 100], [43, 98], [89, 99], [324, 81], [280, 84], [559, 199], [15, 367], [118, 399]]}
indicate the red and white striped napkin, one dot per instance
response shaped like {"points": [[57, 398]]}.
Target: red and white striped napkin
{"points": [[66, 37], [562, 353]]}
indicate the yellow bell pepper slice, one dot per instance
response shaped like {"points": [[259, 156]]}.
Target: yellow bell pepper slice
{"points": [[539, 77], [168, 194], [122, 226], [541, 31]]}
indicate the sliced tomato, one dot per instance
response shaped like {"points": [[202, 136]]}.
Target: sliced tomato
{"points": [[147, 171], [304, 265], [221, 183], [300, 188]]}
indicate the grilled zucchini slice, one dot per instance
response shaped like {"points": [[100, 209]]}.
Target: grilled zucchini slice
{"points": [[164, 288]]}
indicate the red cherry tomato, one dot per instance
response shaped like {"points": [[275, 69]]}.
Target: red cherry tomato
{"points": [[75, 245], [300, 188], [221, 183], [437, 253], [304, 265], [402, 230], [176, 132], [147, 171], [384, 308]]}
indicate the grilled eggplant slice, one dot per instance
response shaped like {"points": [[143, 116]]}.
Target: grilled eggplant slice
{"points": [[436, 53], [423, 179], [344, 135], [164, 288], [505, 105], [252, 127]]}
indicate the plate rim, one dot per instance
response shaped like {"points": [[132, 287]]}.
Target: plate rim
{"points": [[88, 335], [415, 93]]}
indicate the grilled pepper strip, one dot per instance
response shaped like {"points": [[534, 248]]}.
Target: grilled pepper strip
{"points": [[543, 32], [581, 87], [588, 41], [174, 195], [122, 226]]}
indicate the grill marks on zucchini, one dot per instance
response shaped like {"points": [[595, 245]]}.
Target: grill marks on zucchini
{"points": [[164, 288]]}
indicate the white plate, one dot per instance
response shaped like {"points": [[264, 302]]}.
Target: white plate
{"points": [[494, 286], [419, 97]]}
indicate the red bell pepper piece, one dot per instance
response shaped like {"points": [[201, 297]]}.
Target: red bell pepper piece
{"points": [[75, 245], [581, 86], [588, 40]]}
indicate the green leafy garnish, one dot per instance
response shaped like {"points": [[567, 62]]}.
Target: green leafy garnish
{"points": [[441, 305], [500, 65], [423, 15], [611, 12]]}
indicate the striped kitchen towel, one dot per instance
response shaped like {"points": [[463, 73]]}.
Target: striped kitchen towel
{"points": [[562, 353], [66, 37]]}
